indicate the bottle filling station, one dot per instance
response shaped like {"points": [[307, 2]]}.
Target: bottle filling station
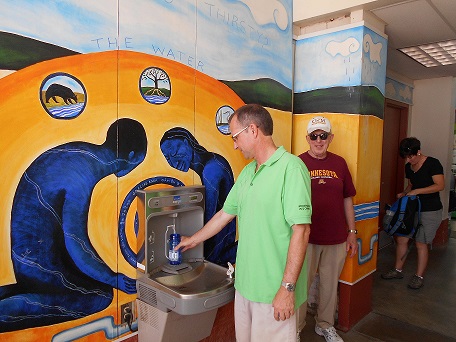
{"points": [[178, 294]]}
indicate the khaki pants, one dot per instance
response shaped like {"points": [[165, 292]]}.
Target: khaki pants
{"points": [[329, 261], [255, 322]]}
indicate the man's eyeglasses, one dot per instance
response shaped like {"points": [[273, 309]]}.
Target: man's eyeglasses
{"points": [[323, 136], [234, 136]]}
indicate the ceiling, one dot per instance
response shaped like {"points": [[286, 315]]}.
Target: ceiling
{"points": [[415, 22]]}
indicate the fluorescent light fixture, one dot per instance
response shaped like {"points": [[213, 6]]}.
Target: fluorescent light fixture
{"points": [[435, 54]]}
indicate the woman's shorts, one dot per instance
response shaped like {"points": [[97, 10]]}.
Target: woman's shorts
{"points": [[430, 222]]}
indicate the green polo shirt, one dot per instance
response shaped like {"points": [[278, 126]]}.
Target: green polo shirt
{"points": [[267, 203]]}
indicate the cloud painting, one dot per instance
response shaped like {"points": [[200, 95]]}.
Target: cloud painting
{"points": [[349, 57], [344, 48], [254, 35]]}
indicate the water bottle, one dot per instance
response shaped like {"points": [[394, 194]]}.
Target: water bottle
{"points": [[387, 218], [175, 257]]}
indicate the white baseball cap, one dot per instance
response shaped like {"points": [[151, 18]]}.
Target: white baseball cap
{"points": [[319, 122]]}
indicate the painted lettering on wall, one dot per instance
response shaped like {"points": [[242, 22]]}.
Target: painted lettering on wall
{"points": [[179, 56], [112, 43], [236, 23]]}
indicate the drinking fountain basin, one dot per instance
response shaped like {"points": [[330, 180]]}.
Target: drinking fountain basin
{"points": [[204, 287], [204, 278]]}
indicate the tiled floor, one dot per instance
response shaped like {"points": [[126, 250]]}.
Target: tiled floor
{"points": [[402, 314]]}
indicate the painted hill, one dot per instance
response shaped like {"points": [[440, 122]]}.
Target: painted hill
{"points": [[358, 99], [17, 52], [264, 91]]}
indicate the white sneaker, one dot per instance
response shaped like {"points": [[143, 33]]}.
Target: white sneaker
{"points": [[329, 334]]}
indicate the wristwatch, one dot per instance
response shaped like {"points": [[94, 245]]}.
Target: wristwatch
{"points": [[289, 286], [353, 231]]}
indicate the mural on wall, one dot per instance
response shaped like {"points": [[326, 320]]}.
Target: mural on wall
{"points": [[183, 152], [347, 85], [155, 85], [398, 91], [355, 82], [63, 96], [69, 235], [59, 274], [255, 35]]}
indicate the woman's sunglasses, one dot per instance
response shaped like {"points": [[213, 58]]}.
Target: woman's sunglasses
{"points": [[323, 136]]}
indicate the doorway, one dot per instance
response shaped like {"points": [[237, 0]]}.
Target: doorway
{"points": [[395, 123]]}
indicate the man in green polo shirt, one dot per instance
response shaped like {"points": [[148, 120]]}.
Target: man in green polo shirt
{"points": [[271, 199]]}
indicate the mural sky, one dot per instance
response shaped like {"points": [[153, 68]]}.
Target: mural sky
{"points": [[357, 56], [255, 34]]}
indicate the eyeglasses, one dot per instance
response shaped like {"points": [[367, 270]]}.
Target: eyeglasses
{"points": [[234, 136], [323, 136]]}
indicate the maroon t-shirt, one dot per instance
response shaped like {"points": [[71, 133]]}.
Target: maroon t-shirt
{"points": [[331, 183]]}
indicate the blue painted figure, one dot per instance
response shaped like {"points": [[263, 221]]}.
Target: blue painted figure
{"points": [[59, 274], [183, 152]]}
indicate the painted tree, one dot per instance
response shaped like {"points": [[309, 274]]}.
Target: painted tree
{"points": [[155, 75]]}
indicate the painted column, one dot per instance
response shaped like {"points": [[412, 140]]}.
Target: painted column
{"points": [[340, 74]]}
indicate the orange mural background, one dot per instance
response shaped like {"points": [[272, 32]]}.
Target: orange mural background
{"points": [[111, 80]]}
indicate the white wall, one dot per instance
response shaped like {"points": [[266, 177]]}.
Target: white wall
{"points": [[432, 122]]}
